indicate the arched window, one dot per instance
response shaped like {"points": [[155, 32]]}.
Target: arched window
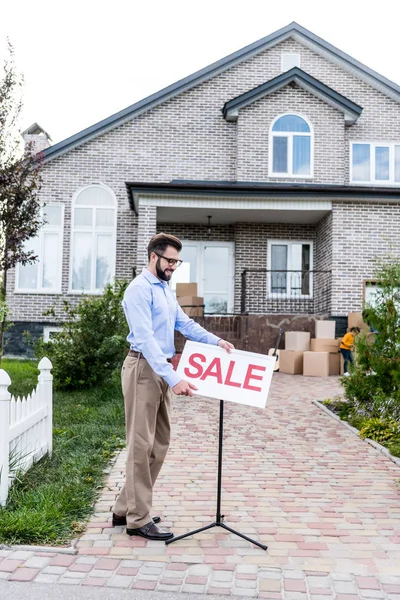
{"points": [[93, 239], [291, 147]]}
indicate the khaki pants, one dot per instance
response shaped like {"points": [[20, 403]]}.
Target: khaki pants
{"points": [[147, 413]]}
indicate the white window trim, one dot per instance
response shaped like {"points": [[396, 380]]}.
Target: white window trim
{"points": [[94, 230], [296, 54], [287, 295], [200, 267], [49, 229], [48, 330], [272, 134], [372, 181]]}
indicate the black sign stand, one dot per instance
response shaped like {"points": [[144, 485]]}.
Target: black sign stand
{"points": [[219, 520]]}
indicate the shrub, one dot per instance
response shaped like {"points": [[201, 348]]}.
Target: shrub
{"points": [[379, 430], [374, 386], [92, 341]]}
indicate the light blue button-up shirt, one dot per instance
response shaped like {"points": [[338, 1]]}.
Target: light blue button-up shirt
{"points": [[153, 314]]}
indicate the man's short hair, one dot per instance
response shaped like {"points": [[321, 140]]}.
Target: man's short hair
{"points": [[161, 241]]}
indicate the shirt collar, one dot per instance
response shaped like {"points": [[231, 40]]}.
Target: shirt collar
{"points": [[152, 278]]}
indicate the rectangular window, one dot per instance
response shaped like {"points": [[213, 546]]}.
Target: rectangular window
{"points": [[301, 155], [44, 275], [375, 163], [289, 266], [280, 154]]}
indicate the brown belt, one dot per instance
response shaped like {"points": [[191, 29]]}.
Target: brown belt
{"points": [[140, 355]]}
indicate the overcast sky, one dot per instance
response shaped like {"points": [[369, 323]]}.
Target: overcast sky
{"points": [[85, 60]]}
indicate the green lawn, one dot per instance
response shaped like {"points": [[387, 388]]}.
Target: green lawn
{"points": [[52, 501]]}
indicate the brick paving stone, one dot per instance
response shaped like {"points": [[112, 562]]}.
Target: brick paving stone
{"points": [[9, 565], [193, 589], [270, 585], [344, 587], [24, 574], [69, 581], [108, 564], [73, 575], [41, 578], [367, 583], [62, 560], [21, 554], [219, 591], [80, 568], [128, 571], [145, 585], [37, 562], [4, 574], [95, 581], [171, 581], [54, 570], [120, 581], [294, 585]]}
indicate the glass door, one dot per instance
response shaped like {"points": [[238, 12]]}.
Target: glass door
{"points": [[210, 265]]}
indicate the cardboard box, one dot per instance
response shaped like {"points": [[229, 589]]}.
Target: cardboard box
{"points": [[291, 362], [321, 364], [354, 319], [325, 330], [192, 305], [190, 300], [186, 289], [322, 345], [297, 340], [193, 311]]}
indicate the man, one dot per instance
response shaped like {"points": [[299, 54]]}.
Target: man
{"points": [[346, 347], [153, 314]]}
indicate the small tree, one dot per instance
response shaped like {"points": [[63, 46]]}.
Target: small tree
{"points": [[20, 217], [92, 341], [374, 386]]}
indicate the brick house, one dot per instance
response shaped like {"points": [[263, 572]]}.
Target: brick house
{"points": [[279, 167]]}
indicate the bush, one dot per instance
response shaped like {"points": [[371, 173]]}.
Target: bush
{"points": [[92, 341], [374, 386], [379, 430]]}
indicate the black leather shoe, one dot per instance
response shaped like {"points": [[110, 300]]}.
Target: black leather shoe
{"points": [[118, 521], [150, 531]]}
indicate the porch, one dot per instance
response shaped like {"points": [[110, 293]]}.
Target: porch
{"points": [[252, 249]]}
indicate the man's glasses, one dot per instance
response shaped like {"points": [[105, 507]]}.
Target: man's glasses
{"points": [[172, 262]]}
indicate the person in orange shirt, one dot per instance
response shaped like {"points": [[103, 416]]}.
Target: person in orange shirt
{"points": [[346, 347]]}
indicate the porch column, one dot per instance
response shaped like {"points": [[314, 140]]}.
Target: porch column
{"points": [[147, 227]]}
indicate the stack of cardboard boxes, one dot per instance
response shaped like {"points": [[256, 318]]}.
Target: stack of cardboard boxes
{"points": [[291, 358], [317, 357], [191, 303], [323, 359]]}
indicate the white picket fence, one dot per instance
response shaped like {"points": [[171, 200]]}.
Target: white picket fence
{"points": [[26, 426]]}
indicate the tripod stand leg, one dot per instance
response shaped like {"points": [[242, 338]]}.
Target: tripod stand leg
{"points": [[243, 536], [185, 535]]}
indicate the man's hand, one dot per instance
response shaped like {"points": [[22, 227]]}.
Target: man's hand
{"points": [[226, 346], [184, 388]]}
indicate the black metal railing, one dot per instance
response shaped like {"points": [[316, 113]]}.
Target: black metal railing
{"points": [[285, 292]]}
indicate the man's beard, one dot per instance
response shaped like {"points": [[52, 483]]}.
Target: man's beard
{"points": [[165, 276]]}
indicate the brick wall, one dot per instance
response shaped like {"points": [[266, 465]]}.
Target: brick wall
{"points": [[361, 232]]}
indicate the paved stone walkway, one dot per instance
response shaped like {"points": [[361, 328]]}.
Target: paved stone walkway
{"points": [[325, 502]]}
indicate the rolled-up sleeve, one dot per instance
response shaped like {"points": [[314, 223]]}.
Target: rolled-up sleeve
{"points": [[137, 308], [192, 330]]}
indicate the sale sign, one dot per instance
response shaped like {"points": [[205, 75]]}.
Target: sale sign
{"points": [[242, 377]]}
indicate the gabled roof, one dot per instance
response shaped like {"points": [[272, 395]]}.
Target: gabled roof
{"points": [[293, 30], [350, 109], [35, 129]]}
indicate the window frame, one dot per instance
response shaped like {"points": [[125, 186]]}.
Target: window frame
{"points": [[372, 146], [290, 135], [45, 229], [94, 231], [286, 295], [47, 330]]}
